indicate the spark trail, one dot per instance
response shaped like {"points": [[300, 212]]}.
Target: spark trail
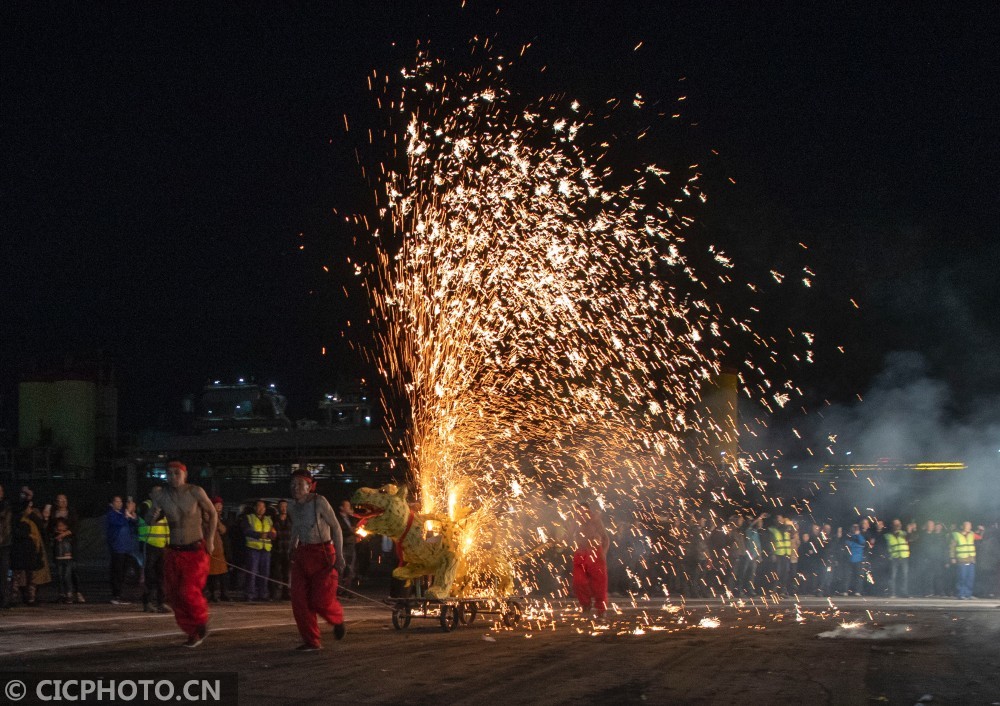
{"points": [[540, 313]]}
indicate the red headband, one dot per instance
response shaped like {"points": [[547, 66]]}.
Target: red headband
{"points": [[178, 465], [305, 474]]}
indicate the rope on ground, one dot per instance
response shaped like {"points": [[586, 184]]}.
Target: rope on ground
{"points": [[286, 585]]}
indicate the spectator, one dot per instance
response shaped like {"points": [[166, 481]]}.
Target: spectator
{"points": [[62, 550], [119, 525], [258, 531], [922, 560], [153, 539], [858, 571], [898, 544], [345, 516], [63, 511], [218, 569], [281, 552], [809, 559], [780, 535], [963, 556], [28, 556], [755, 555], [6, 536], [736, 552]]}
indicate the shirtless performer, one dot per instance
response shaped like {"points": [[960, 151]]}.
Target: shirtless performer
{"points": [[590, 568], [192, 519], [317, 560]]}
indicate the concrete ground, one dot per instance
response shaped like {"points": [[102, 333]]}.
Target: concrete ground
{"points": [[817, 651]]}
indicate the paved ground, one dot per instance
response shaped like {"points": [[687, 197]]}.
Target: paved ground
{"points": [[649, 652]]}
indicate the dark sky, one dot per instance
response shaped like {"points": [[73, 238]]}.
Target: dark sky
{"points": [[162, 159]]}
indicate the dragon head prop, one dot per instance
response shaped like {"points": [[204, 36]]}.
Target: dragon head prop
{"points": [[382, 510]]}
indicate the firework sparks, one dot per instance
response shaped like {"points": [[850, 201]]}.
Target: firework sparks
{"points": [[541, 319]]}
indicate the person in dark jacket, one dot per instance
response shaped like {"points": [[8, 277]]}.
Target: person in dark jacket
{"points": [[28, 556], [120, 530], [63, 511], [6, 536], [857, 545]]}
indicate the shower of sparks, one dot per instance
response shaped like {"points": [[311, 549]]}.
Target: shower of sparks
{"points": [[543, 320]]}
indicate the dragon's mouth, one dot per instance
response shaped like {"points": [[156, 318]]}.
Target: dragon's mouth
{"points": [[366, 512]]}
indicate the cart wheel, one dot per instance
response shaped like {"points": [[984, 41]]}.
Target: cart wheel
{"points": [[401, 616], [449, 617], [467, 613], [511, 615]]}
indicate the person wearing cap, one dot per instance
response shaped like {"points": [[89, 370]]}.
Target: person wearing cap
{"points": [[317, 560], [590, 568], [218, 568], [185, 566]]}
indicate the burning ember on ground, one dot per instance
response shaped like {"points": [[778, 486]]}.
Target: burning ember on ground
{"points": [[550, 322]]}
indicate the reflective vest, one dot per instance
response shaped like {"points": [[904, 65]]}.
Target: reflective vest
{"points": [[899, 548], [965, 546], [781, 541], [155, 535], [263, 526]]}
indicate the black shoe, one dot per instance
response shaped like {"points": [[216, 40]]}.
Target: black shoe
{"points": [[339, 631]]}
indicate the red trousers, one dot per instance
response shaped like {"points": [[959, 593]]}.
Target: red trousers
{"points": [[314, 589], [590, 579], [184, 576]]}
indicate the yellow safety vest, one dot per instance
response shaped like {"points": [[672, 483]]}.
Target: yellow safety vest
{"points": [[155, 535], [265, 526], [781, 541], [965, 546], [899, 548]]}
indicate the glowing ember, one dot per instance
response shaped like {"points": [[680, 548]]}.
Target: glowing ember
{"points": [[709, 623], [543, 320]]}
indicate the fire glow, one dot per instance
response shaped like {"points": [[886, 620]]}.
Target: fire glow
{"points": [[540, 315]]}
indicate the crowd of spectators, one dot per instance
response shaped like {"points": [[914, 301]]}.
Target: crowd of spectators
{"points": [[765, 554], [742, 556]]}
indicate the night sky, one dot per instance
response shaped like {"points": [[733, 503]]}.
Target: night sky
{"points": [[163, 163]]}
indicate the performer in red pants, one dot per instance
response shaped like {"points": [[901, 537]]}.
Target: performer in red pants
{"points": [[317, 560], [590, 569], [185, 562]]}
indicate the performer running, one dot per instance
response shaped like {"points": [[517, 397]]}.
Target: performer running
{"points": [[317, 560], [590, 569], [192, 520]]}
